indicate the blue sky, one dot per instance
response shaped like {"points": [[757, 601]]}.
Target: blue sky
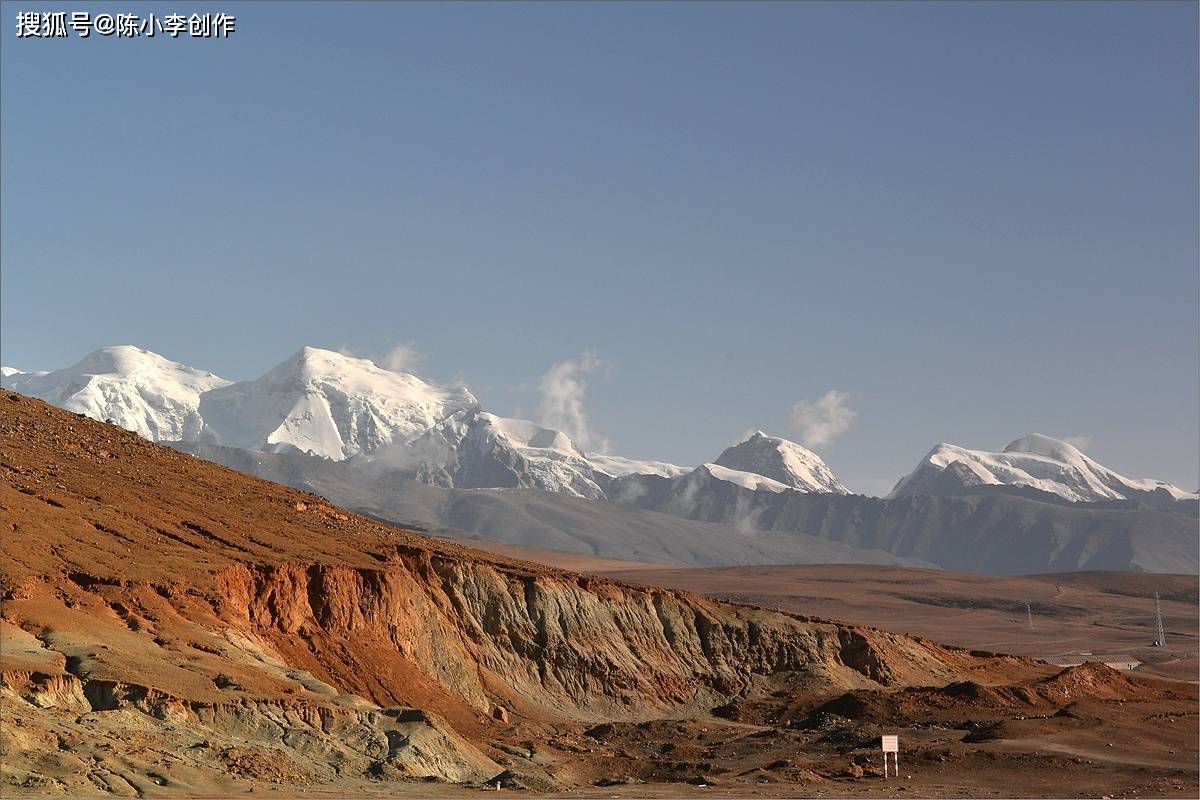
{"points": [[974, 220]]}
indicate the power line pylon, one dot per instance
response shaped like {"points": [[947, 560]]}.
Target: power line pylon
{"points": [[1160, 635]]}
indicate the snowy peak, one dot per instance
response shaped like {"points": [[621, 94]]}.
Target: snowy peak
{"points": [[525, 434], [1035, 461], [313, 365], [134, 388], [476, 450], [1041, 445], [743, 478], [783, 462], [339, 407], [134, 364], [130, 361], [328, 404], [618, 467]]}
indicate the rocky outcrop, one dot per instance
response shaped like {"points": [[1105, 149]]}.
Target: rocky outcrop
{"points": [[569, 644], [259, 735], [46, 690]]}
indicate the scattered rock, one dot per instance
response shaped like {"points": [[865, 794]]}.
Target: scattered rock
{"points": [[513, 780], [223, 681], [600, 732], [385, 771], [569, 745], [513, 750], [983, 734]]}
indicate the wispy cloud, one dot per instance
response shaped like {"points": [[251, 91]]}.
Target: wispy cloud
{"points": [[563, 388], [403, 357], [820, 422], [1079, 442]]}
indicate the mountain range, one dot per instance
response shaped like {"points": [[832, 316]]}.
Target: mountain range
{"points": [[1034, 461], [390, 444], [349, 409]]}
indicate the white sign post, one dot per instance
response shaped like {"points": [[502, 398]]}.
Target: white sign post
{"points": [[890, 744]]}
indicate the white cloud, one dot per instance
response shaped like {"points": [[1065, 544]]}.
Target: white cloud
{"points": [[819, 423], [1079, 442], [404, 357], [563, 391]]}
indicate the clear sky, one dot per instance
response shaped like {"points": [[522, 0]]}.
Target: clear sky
{"points": [[973, 220]]}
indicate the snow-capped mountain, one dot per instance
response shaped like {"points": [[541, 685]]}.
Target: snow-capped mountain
{"points": [[1034, 461], [742, 479], [327, 404], [785, 462], [350, 409], [349, 425], [708, 492], [134, 388], [475, 450]]}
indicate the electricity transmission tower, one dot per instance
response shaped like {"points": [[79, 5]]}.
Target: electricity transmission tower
{"points": [[1160, 635]]}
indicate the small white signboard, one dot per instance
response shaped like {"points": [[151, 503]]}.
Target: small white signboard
{"points": [[890, 744]]}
